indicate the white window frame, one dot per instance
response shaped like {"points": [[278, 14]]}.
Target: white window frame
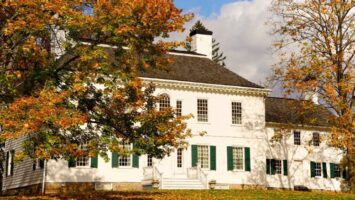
{"points": [[208, 156], [313, 139], [130, 157], [276, 171], [202, 118], [178, 109], [294, 138], [9, 169], [320, 169], [164, 100], [149, 161], [234, 112], [78, 160], [243, 158], [337, 166]]}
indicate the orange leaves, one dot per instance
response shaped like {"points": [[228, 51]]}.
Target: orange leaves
{"points": [[31, 114]]}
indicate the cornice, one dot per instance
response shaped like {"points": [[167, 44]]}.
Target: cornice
{"points": [[205, 87], [296, 126]]}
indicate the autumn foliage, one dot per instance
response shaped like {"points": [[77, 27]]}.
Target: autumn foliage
{"points": [[60, 86], [316, 48]]}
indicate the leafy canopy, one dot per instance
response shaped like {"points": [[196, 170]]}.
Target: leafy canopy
{"points": [[60, 87]]}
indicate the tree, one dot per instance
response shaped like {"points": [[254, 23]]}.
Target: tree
{"points": [[60, 91], [217, 56], [316, 51]]}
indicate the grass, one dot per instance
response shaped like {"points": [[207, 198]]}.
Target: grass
{"points": [[194, 195]]}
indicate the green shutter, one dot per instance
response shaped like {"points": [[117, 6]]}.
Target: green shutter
{"points": [[313, 169], [230, 158], [247, 159], [114, 160], [135, 163], [268, 163], [94, 162], [213, 157], [272, 167], [332, 170], [285, 168], [72, 162], [193, 155], [325, 173]]}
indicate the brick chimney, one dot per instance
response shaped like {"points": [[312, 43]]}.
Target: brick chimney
{"points": [[202, 42]]}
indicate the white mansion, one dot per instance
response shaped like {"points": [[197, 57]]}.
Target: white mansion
{"points": [[236, 152]]}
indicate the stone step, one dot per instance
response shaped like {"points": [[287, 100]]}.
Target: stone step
{"points": [[180, 187]]}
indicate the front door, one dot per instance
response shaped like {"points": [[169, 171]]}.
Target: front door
{"points": [[179, 164]]}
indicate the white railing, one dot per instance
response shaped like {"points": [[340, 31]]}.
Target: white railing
{"points": [[202, 176], [158, 176]]}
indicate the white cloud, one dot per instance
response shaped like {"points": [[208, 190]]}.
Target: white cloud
{"points": [[244, 37]]}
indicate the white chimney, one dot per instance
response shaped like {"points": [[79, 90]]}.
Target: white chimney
{"points": [[202, 42]]}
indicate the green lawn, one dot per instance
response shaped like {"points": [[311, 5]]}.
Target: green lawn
{"points": [[203, 195]]}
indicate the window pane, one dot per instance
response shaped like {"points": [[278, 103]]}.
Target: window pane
{"points": [[316, 139], [179, 157], [337, 170], [236, 113], [202, 156], [164, 102], [318, 168], [178, 108], [238, 158], [278, 169], [202, 110], [297, 137], [125, 160], [150, 161], [82, 161]]}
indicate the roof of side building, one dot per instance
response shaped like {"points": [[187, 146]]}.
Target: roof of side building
{"points": [[292, 111]]}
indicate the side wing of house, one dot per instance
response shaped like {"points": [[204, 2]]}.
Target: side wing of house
{"points": [[21, 173]]}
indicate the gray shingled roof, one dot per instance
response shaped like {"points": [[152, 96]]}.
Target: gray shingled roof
{"points": [[200, 70], [291, 111]]}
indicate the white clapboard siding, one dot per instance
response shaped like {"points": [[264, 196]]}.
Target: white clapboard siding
{"points": [[23, 174]]}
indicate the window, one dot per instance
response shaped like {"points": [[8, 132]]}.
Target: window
{"points": [[202, 156], [179, 157], [318, 169], [238, 158], [164, 102], [202, 110], [316, 139], [236, 113], [83, 161], [125, 161], [297, 137], [10, 162], [277, 167], [150, 161], [178, 108], [337, 170]]}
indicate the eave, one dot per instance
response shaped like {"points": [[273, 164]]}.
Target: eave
{"points": [[208, 88]]}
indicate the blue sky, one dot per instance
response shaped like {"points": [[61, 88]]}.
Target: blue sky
{"points": [[204, 7]]}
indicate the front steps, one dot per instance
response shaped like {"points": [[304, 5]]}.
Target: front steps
{"points": [[182, 183]]}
